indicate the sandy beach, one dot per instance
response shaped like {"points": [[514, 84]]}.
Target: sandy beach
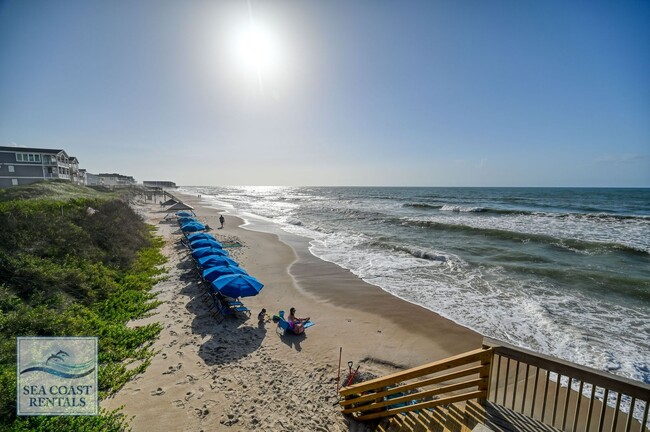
{"points": [[239, 374]]}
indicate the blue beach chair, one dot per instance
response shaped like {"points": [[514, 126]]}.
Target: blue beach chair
{"points": [[224, 306], [284, 327]]}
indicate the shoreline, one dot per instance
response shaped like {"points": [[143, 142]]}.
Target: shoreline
{"points": [[338, 287], [239, 374]]}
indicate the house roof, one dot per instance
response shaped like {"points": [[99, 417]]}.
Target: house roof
{"points": [[31, 149], [180, 206]]}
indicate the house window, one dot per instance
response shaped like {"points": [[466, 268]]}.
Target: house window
{"points": [[11, 168], [14, 182], [28, 157]]}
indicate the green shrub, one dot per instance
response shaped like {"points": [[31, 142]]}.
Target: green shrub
{"points": [[67, 272]]}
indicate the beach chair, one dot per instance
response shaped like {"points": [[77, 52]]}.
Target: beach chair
{"points": [[224, 307], [284, 327]]}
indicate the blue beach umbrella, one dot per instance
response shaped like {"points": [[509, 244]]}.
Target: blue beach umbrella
{"points": [[193, 227], [237, 285], [184, 220], [211, 273], [205, 251], [183, 214], [200, 243], [216, 261], [197, 236]]}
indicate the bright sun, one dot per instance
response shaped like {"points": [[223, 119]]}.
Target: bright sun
{"points": [[256, 51]]}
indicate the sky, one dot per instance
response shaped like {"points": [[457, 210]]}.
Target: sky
{"points": [[337, 92]]}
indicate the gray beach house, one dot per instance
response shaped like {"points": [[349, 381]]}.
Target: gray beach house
{"points": [[25, 165]]}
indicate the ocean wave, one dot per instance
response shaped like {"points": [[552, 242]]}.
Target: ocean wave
{"points": [[415, 252], [572, 244], [423, 206], [585, 215], [462, 209]]}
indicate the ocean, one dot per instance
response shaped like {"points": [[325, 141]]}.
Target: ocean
{"points": [[561, 271]]}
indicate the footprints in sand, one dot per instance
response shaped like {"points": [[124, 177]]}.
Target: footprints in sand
{"points": [[173, 369], [158, 392], [231, 377]]}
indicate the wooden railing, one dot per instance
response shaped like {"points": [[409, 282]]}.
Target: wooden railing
{"points": [[455, 379], [565, 395], [557, 393]]}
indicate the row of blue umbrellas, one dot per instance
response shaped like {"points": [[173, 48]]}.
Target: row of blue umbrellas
{"points": [[222, 272]]}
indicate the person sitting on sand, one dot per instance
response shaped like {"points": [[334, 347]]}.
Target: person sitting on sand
{"points": [[297, 325]]}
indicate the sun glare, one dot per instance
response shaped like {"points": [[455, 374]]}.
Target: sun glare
{"points": [[256, 51]]}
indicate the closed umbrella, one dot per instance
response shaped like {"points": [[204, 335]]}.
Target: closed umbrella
{"points": [[237, 285], [197, 236], [193, 227], [215, 261], [205, 251], [200, 243], [211, 273]]}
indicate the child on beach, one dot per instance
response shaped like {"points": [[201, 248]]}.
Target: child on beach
{"points": [[296, 324]]}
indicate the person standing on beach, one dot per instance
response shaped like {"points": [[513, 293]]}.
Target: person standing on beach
{"points": [[222, 220]]}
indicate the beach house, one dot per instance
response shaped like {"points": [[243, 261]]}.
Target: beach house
{"points": [[25, 165]]}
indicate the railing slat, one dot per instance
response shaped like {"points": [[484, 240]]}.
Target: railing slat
{"points": [[601, 419], [523, 399], [514, 394], [548, 378], [645, 415], [505, 387], [496, 386], [555, 398], [618, 407], [577, 410], [566, 403], [591, 405], [630, 415], [532, 407]]}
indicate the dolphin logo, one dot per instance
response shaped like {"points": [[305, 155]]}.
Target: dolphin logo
{"points": [[56, 365]]}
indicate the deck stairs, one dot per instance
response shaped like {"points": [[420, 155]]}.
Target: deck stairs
{"points": [[499, 388], [471, 416]]}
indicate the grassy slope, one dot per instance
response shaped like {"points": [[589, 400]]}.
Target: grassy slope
{"points": [[71, 273]]}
